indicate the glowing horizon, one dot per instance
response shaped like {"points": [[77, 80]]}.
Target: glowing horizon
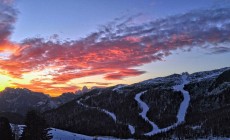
{"points": [[125, 48]]}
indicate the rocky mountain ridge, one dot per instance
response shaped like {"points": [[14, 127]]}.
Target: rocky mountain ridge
{"points": [[21, 100]]}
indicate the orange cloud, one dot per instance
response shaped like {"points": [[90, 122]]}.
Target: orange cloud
{"points": [[113, 52]]}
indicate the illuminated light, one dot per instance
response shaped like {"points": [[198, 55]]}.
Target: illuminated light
{"points": [[5, 82]]}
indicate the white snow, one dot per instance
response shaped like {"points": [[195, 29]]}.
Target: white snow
{"points": [[214, 138], [196, 127], [118, 87], [183, 106], [112, 115], [131, 129], [143, 114], [65, 135], [59, 134], [200, 76], [185, 103], [213, 75]]}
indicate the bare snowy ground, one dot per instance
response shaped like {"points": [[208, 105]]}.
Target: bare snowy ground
{"points": [[59, 134]]}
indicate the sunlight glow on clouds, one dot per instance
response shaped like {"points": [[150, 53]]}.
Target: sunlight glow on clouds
{"points": [[112, 52]]}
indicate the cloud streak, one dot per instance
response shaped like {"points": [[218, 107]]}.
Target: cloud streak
{"points": [[7, 19], [116, 48], [96, 83]]}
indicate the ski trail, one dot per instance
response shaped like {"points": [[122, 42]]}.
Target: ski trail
{"points": [[131, 129], [183, 106], [185, 103], [143, 114], [180, 115], [112, 115]]}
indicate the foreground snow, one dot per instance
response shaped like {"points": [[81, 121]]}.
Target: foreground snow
{"points": [[65, 135], [143, 114], [59, 134]]}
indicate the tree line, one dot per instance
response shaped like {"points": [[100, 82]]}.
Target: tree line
{"points": [[35, 128]]}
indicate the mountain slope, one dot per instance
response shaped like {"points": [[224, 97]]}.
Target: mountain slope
{"points": [[176, 105], [180, 105]]}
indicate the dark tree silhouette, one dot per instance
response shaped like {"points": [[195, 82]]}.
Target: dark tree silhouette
{"points": [[5, 129], [36, 127]]}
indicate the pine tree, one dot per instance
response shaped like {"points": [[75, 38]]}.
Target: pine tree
{"points": [[36, 128], [5, 129]]}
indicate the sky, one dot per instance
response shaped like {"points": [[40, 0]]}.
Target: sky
{"points": [[55, 46]]}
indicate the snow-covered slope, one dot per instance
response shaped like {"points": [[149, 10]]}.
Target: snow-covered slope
{"points": [[65, 135], [206, 75], [185, 103], [59, 134]]}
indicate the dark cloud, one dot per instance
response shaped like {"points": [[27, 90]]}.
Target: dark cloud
{"points": [[97, 83], [219, 50], [7, 18]]}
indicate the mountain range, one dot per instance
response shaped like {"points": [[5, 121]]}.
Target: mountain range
{"points": [[183, 106]]}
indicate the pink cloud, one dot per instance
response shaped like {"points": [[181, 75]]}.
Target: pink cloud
{"points": [[114, 51]]}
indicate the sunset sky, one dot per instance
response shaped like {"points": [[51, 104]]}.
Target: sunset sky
{"points": [[57, 46]]}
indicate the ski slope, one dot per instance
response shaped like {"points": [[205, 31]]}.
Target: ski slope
{"points": [[143, 114], [185, 103], [181, 112]]}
